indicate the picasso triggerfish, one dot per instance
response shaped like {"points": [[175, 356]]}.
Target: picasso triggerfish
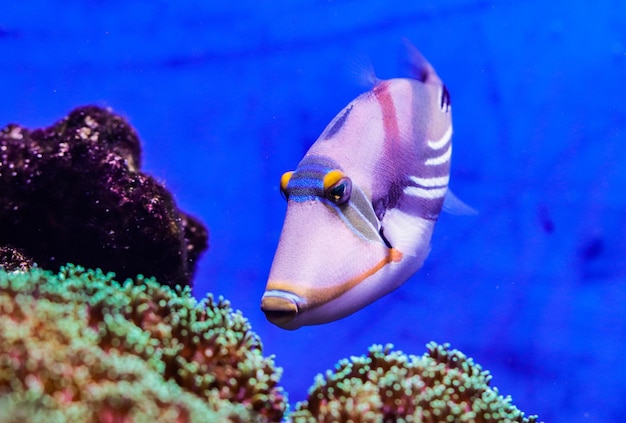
{"points": [[363, 202]]}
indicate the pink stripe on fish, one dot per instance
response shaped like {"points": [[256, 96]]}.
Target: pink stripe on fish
{"points": [[390, 117]]}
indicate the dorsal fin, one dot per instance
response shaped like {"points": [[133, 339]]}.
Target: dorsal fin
{"points": [[419, 67]]}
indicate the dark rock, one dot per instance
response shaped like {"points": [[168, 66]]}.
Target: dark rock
{"points": [[73, 192]]}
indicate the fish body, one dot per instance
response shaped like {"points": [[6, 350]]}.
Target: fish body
{"points": [[363, 202]]}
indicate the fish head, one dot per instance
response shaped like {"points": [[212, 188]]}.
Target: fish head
{"points": [[331, 259]]}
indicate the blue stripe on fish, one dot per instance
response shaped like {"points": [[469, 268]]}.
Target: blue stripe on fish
{"points": [[307, 184], [307, 181]]}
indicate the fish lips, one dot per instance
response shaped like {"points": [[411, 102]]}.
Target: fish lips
{"points": [[281, 308]]}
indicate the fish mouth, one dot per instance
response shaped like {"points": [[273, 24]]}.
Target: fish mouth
{"points": [[281, 307]]}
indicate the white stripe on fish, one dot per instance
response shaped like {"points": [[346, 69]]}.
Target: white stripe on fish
{"points": [[442, 159], [425, 192], [436, 181], [441, 142]]}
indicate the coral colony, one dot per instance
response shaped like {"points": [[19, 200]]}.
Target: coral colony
{"points": [[80, 345]]}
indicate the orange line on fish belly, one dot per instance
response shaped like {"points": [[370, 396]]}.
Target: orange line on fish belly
{"points": [[322, 296]]}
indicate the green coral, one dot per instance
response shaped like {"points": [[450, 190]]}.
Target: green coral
{"points": [[388, 386], [79, 346]]}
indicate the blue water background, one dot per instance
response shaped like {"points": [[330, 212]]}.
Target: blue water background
{"points": [[228, 95]]}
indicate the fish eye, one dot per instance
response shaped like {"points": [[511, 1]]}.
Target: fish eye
{"points": [[340, 192], [337, 187], [284, 181]]}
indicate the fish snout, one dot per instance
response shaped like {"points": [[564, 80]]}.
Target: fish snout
{"points": [[280, 307]]}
